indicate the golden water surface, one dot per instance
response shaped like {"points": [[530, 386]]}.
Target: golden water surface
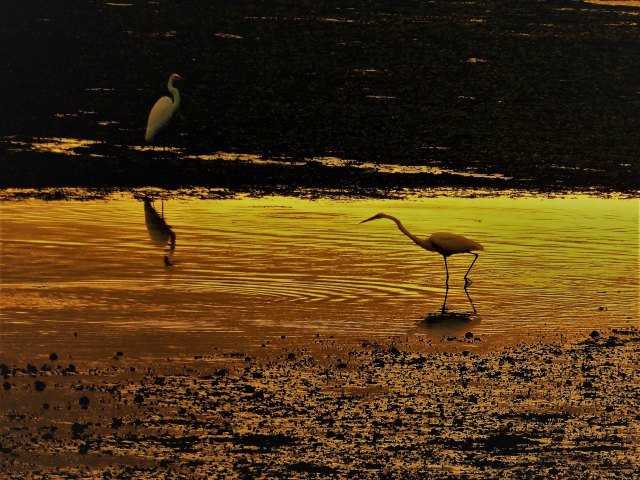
{"points": [[88, 275]]}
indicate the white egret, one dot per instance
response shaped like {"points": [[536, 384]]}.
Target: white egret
{"points": [[446, 244], [163, 110]]}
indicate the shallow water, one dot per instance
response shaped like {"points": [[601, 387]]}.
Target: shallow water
{"points": [[85, 275]]}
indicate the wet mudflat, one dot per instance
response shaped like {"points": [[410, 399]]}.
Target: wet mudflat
{"points": [[247, 327], [407, 407]]}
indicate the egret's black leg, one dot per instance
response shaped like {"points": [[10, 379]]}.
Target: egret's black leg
{"points": [[467, 281], [446, 269], [446, 292], [444, 303]]}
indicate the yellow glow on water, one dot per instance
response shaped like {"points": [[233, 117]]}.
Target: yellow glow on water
{"points": [[66, 146], [247, 268], [341, 163], [617, 3]]}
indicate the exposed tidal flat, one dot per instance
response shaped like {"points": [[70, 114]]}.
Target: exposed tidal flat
{"points": [[553, 407]]}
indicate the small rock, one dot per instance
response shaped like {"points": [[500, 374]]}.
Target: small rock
{"points": [[468, 335], [78, 428], [594, 334], [40, 386], [84, 402], [53, 357], [116, 422]]}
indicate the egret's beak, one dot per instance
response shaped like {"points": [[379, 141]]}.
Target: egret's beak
{"points": [[178, 77], [369, 219]]}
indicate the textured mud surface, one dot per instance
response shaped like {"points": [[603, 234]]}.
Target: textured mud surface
{"points": [[556, 408], [543, 92]]}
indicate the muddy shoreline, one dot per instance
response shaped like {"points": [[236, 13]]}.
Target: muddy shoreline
{"points": [[178, 175], [551, 407]]}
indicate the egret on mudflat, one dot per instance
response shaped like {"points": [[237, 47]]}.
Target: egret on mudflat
{"points": [[446, 244], [163, 110]]}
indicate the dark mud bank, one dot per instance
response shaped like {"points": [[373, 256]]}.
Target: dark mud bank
{"points": [[546, 93]]}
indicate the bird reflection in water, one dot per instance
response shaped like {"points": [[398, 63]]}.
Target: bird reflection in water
{"points": [[160, 232], [444, 314]]}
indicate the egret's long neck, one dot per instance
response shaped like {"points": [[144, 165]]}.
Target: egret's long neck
{"points": [[417, 240], [176, 94]]}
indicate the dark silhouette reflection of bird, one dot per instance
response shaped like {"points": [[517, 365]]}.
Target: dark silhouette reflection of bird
{"points": [[163, 110], [446, 244], [160, 232]]}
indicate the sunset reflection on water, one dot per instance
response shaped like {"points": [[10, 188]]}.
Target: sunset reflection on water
{"points": [[247, 269]]}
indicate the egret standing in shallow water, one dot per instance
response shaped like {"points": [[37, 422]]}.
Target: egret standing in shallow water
{"points": [[446, 244], [163, 110]]}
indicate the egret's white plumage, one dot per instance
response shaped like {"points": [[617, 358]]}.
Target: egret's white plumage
{"points": [[446, 244], [163, 110]]}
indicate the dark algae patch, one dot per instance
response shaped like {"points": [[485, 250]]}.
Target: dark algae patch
{"points": [[544, 93], [378, 415]]}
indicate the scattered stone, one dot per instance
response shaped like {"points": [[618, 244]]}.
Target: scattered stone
{"points": [[40, 386], [78, 429], [116, 422]]}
